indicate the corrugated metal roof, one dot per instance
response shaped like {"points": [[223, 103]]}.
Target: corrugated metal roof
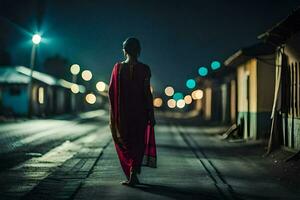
{"points": [[247, 53], [21, 75], [283, 30], [10, 75]]}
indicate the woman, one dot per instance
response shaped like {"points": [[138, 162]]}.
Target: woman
{"points": [[131, 116]]}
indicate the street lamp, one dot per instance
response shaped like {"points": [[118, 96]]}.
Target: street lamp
{"points": [[36, 39]]}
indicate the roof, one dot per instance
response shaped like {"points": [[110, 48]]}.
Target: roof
{"points": [[283, 30], [21, 75], [247, 53]]}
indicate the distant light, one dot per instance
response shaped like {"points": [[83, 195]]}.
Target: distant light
{"points": [[203, 71], [188, 99], [75, 88], [169, 91], [177, 96], [90, 98], [151, 89], [86, 75], [180, 103], [191, 83], [171, 103], [75, 69], [157, 102], [101, 86], [36, 39], [215, 65], [82, 89], [41, 95], [197, 94]]}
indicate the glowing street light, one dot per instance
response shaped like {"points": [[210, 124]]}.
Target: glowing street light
{"points": [[177, 96], [215, 65], [75, 88], [75, 69], [86, 75], [171, 103], [203, 71], [36, 39], [101, 86], [169, 91], [188, 99], [180, 103], [157, 102], [90, 98], [191, 83], [197, 94]]}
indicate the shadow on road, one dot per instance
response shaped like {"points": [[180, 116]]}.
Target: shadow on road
{"points": [[175, 192]]}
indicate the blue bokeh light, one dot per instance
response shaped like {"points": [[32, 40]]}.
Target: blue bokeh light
{"points": [[215, 65], [203, 71], [191, 83]]}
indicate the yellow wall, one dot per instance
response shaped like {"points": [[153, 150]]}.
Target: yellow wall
{"points": [[245, 71], [207, 110], [233, 100], [266, 83]]}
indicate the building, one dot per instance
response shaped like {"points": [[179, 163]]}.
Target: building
{"points": [[285, 36], [218, 104], [49, 95], [255, 71]]}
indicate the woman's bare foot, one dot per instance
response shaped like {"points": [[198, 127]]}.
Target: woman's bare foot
{"points": [[133, 180]]}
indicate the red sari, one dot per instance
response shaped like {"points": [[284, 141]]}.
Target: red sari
{"points": [[129, 118]]}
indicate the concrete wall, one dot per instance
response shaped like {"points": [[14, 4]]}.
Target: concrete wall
{"points": [[255, 90]]}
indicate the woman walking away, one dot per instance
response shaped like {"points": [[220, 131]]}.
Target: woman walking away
{"points": [[131, 113]]}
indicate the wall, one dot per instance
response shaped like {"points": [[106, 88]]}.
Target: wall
{"points": [[247, 97], [17, 103], [292, 50]]}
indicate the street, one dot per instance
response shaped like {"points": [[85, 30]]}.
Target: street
{"points": [[74, 158]]}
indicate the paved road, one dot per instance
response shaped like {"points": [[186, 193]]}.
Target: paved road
{"points": [[75, 159], [192, 164], [52, 150]]}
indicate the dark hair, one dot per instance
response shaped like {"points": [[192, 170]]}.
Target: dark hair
{"points": [[132, 46]]}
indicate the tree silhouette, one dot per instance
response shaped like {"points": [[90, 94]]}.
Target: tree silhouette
{"points": [[57, 66]]}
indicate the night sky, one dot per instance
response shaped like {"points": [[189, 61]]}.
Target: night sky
{"points": [[177, 36]]}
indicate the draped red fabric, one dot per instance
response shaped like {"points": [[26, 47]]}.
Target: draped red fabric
{"points": [[131, 155]]}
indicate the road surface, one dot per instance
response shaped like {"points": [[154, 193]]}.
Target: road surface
{"points": [[74, 158]]}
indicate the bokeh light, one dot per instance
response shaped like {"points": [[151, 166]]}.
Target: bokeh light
{"points": [[75, 69], [86, 75], [157, 102], [188, 99], [90, 98], [101, 86], [180, 103], [191, 83], [177, 96], [151, 89], [75, 88], [169, 91], [197, 94], [36, 39], [203, 71], [215, 65], [171, 103]]}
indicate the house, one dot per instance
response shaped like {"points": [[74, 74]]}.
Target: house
{"points": [[255, 72], [285, 36], [49, 95], [219, 100]]}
